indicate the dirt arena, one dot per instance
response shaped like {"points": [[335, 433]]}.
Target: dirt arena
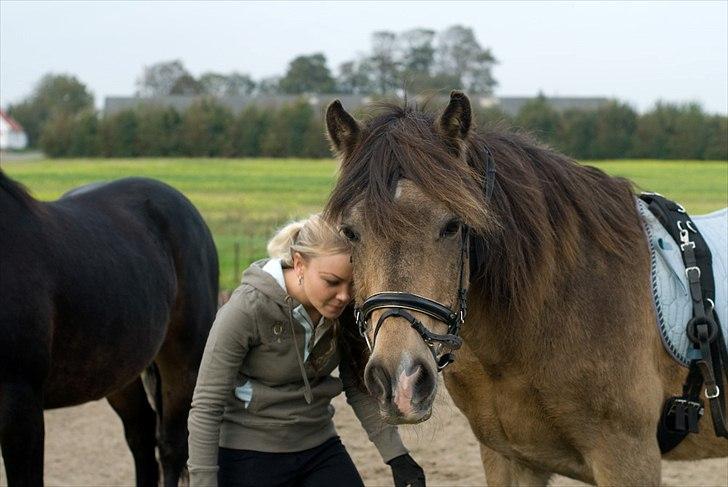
{"points": [[85, 447]]}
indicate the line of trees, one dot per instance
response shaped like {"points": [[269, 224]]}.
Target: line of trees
{"points": [[59, 114], [416, 60], [615, 131], [208, 129]]}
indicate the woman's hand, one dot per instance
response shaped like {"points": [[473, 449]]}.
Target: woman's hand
{"points": [[407, 472]]}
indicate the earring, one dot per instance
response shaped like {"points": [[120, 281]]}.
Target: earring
{"points": [[300, 279]]}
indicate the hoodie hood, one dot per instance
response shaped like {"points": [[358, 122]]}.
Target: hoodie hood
{"points": [[256, 277]]}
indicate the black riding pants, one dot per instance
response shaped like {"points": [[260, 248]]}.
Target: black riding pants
{"points": [[328, 464]]}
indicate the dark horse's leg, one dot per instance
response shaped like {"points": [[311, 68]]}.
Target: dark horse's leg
{"points": [[22, 433], [178, 382], [140, 424], [178, 363]]}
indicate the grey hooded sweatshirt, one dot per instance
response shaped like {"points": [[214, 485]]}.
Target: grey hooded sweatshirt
{"points": [[265, 381]]}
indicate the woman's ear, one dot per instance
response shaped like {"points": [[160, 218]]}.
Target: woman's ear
{"points": [[298, 263]]}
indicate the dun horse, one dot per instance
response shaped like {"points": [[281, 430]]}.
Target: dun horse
{"points": [[109, 291], [562, 368]]}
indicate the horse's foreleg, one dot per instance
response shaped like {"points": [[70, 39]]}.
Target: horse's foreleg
{"points": [[140, 424], [527, 476], [497, 467], [22, 433], [500, 471], [622, 459]]}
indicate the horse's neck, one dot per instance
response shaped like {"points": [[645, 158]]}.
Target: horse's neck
{"points": [[14, 198], [574, 297]]}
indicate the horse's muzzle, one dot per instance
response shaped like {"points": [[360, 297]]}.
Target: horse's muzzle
{"points": [[407, 395]]}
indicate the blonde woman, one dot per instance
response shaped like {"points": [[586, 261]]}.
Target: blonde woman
{"points": [[261, 412]]}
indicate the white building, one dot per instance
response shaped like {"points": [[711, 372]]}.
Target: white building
{"points": [[12, 135]]}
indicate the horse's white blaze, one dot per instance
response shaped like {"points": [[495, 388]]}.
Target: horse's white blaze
{"points": [[405, 389], [398, 191]]}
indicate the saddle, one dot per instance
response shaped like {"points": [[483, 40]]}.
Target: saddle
{"points": [[670, 288], [689, 276]]}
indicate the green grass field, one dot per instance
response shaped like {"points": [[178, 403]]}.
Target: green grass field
{"points": [[244, 201]]}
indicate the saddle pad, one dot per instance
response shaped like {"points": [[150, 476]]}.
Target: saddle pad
{"points": [[670, 286]]}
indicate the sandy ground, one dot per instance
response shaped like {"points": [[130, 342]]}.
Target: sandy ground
{"points": [[85, 447]]}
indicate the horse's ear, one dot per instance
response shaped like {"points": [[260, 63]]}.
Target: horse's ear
{"points": [[343, 129], [454, 123]]}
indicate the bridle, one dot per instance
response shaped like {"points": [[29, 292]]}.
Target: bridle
{"points": [[399, 304]]}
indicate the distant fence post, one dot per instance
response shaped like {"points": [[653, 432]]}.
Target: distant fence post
{"points": [[236, 263]]}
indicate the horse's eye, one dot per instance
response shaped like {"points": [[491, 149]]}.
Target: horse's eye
{"points": [[350, 234], [451, 228]]}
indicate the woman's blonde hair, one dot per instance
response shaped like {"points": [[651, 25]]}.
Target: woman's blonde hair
{"points": [[312, 237]]}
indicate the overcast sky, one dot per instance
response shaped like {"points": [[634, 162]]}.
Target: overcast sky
{"points": [[638, 52]]}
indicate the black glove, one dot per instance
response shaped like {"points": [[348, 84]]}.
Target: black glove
{"points": [[406, 472]]}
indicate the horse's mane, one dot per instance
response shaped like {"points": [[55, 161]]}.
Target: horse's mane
{"points": [[550, 209], [544, 210]]}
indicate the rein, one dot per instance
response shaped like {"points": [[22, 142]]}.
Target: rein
{"points": [[399, 304]]}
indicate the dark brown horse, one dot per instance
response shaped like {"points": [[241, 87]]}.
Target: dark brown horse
{"points": [[562, 368], [110, 292]]}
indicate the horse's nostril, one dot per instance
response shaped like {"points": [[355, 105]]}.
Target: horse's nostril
{"points": [[413, 368], [378, 382], [424, 386]]}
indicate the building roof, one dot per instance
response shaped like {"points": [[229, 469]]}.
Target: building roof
{"points": [[11, 121]]}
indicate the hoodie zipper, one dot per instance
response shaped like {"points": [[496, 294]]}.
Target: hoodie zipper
{"points": [[306, 386]]}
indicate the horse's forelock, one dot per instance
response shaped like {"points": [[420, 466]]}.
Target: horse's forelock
{"points": [[403, 143]]}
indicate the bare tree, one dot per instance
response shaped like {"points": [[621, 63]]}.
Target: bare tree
{"points": [[239, 84], [160, 79], [385, 66], [220, 85], [417, 52], [354, 77], [459, 54]]}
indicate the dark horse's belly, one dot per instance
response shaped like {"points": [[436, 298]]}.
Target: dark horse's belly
{"points": [[124, 344]]}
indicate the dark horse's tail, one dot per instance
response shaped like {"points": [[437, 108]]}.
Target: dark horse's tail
{"points": [[152, 383]]}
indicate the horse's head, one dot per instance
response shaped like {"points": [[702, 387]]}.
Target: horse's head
{"points": [[406, 198]]}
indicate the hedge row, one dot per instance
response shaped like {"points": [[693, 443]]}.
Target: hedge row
{"points": [[208, 129]]}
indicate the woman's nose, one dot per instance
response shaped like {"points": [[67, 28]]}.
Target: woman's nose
{"points": [[344, 295]]}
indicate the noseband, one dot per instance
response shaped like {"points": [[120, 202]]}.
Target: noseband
{"points": [[399, 304]]}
